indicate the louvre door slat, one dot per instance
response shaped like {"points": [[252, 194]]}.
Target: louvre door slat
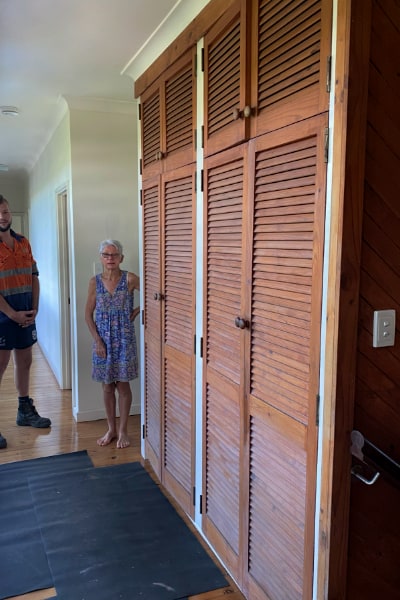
{"points": [[290, 50], [222, 403], [152, 321], [287, 250], [179, 329], [225, 70]]}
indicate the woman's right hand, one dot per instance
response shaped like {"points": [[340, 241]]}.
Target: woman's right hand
{"points": [[100, 349]]}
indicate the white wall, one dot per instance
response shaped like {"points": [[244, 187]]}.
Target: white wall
{"points": [[93, 155], [51, 171], [14, 187], [104, 204]]}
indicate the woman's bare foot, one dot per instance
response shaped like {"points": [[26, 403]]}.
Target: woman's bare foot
{"points": [[106, 439], [123, 441]]}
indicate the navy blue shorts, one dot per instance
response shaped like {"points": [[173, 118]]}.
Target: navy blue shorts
{"points": [[13, 336]]}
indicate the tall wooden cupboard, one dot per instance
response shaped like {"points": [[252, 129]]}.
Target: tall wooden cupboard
{"points": [[264, 67]]}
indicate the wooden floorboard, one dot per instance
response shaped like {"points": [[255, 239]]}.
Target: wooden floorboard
{"points": [[65, 435]]}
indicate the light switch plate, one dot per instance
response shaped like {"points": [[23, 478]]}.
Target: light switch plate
{"points": [[97, 268], [384, 328]]}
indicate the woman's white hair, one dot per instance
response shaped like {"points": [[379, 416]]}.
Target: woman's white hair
{"points": [[114, 243]]}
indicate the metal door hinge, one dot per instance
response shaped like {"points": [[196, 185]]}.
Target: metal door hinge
{"points": [[141, 197], [326, 144], [201, 181], [328, 73], [201, 504], [317, 410], [194, 496], [140, 112], [202, 59], [201, 347], [143, 317], [201, 139], [194, 344], [143, 431]]}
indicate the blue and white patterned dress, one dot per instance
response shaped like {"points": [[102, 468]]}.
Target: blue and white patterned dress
{"points": [[112, 318]]}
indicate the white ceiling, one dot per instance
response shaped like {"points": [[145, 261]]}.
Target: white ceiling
{"points": [[50, 49]]}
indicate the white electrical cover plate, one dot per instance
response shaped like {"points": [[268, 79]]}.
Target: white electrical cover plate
{"points": [[384, 328]]}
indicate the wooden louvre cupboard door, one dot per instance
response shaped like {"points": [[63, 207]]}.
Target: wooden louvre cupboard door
{"points": [[178, 335], [225, 72], [179, 92], [151, 117], [222, 354], [168, 114], [283, 357], [152, 295], [291, 46]]}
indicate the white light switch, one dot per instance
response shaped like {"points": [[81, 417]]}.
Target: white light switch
{"points": [[384, 328], [97, 268]]}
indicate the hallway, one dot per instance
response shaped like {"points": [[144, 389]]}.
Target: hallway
{"points": [[65, 434]]}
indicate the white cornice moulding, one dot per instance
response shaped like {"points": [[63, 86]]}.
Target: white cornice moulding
{"points": [[61, 111], [174, 23], [101, 105]]}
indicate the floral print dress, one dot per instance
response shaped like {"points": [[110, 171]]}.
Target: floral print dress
{"points": [[112, 318]]}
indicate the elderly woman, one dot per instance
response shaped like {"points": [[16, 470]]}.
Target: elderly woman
{"points": [[109, 315]]}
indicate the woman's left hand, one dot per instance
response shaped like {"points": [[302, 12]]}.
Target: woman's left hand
{"points": [[134, 313]]}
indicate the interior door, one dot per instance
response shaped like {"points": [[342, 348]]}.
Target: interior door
{"points": [[287, 181], [265, 229], [152, 321], [65, 293], [178, 335], [223, 354]]}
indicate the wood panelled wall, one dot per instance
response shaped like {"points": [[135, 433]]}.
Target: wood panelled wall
{"points": [[375, 533], [366, 527]]}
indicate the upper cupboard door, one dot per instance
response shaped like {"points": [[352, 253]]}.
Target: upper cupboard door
{"points": [[168, 114], [291, 45], [179, 92], [225, 74], [151, 119]]}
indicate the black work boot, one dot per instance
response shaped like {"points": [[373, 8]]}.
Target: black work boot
{"points": [[3, 442], [28, 415]]}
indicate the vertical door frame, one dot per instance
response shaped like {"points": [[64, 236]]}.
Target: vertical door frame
{"points": [[24, 220], [64, 287], [199, 232], [141, 291]]}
